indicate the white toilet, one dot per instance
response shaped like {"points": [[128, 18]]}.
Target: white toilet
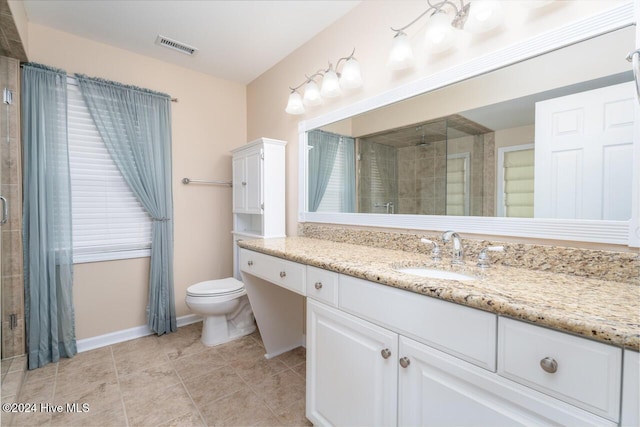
{"points": [[225, 309]]}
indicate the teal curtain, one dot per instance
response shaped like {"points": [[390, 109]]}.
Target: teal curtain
{"points": [[349, 193], [48, 253], [135, 125], [323, 147]]}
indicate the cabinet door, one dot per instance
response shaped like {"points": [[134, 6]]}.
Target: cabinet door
{"points": [[253, 188], [247, 182], [351, 380], [436, 389], [239, 184]]}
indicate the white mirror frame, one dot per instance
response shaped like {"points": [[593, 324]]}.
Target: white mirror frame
{"points": [[595, 231]]}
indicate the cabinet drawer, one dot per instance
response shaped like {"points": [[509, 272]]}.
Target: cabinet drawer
{"points": [[464, 332], [322, 285], [276, 270], [579, 371]]}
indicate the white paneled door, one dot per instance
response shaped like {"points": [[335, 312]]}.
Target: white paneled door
{"points": [[584, 154]]}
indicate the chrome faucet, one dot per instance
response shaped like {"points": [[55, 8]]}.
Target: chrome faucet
{"points": [[435, 252], [483, 256], [458, 250]]}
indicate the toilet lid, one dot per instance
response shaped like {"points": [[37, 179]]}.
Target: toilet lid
{"points": [[216, 287]]}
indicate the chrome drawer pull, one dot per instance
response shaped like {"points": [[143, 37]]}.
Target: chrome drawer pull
{"points": [[283, 274], [249, 263], [549, 365], [404, 362], [318, 286], [386, 353]]}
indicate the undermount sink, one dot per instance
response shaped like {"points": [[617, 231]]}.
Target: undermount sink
{"points": [[434, 273]]}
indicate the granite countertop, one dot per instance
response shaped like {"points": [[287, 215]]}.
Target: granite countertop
{"points": [[606, 311]]}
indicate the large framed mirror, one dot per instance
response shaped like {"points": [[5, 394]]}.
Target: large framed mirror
{"points": [[540, 147]]}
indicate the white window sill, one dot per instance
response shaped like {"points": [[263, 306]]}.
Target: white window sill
{"points": [[110, 256]]}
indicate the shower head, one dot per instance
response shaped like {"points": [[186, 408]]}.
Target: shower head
{"points": [[422, 142]]}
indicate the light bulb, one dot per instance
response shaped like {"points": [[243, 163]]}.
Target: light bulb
{"points": [[312, 94], [439, 34], [294, 105], [350, 77], [484, 15], [401, 55], [330, 85]]}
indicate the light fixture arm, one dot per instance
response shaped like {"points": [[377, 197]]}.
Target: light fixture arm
{"points": [[460, 13], [321, 72]]}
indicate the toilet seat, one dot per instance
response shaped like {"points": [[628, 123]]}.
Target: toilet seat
{"points": [[213, 288]]}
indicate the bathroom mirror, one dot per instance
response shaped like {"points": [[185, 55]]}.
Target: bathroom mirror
{"points": [[475, 154]]}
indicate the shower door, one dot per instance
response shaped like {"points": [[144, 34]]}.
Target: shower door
{"points": [[11, 273]]}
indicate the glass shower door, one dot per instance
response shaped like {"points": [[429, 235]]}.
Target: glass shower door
{"points": [[11, 273]]}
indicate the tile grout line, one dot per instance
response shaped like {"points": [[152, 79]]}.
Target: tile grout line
{"points": [[171, 362], [256, 393], [115, 367], [55, 386]]}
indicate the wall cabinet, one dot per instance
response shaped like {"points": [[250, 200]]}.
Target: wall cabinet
{"points": [[258, 181], [247, 180]]}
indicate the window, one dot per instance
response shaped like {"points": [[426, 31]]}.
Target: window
{"points": [[108, 221], [458, 184], [515, 181]]}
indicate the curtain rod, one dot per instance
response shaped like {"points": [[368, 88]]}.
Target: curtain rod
{"points": [[74, 83]]}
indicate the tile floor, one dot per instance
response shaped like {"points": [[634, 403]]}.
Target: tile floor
{"points": [[172, 380]]}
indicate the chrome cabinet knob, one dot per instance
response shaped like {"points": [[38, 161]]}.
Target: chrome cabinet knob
{"points": [[549, 365], [249, 263], [318, 286], [283, 274], [386, 353], [404, 362], [244, 182]]}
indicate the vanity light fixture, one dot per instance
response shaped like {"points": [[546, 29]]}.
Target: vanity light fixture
{"points": [[333, 83], [442, 29]]}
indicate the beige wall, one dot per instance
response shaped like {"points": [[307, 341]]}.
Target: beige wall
{"points": [[366, 28], [208, 121]]}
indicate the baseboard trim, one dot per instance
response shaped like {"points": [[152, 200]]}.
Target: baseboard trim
{"points": [[128, 334]]}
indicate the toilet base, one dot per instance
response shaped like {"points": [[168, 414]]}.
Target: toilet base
{"points": [[217, 330], [224, 328]]}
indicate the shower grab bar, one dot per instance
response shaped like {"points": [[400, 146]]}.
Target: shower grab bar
{"points": [[5, 210], [199, 181]]}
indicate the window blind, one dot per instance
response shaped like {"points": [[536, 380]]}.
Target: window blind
{"points": [[108, 221], [457, 186], [518, 183]]}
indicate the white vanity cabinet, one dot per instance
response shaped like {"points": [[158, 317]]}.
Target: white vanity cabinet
{"points": [[351, 369], [381, 356], [442, 354], [631, 389], [436, 389]]}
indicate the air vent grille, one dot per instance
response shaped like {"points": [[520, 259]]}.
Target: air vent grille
{"points": [[175, 45]]}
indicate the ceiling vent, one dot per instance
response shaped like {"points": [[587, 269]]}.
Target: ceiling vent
{"points": [[172, 44]]}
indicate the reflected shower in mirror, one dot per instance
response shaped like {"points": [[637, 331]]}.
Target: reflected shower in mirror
{"points": [[551, 137]]}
